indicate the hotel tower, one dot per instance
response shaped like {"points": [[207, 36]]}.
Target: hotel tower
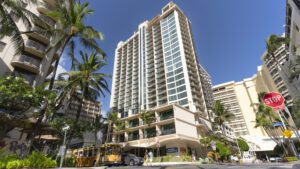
{"points": [[157, 70]]}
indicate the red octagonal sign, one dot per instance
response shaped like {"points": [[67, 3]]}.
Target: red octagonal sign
{"points": [[274, 100]]}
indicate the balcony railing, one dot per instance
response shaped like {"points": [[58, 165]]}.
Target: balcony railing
{"points": [[35, 45], [168, 131], [27, 60], [41, 32], [47, 20], [133, 137], [28, 77], [166, 115]]}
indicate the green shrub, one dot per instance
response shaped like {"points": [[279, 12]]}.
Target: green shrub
{"points": [[291, 159], [15, 164], [243, 145], [40, 160], [69, 162]]}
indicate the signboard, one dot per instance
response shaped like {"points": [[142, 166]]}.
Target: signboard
{"points": [[172, 150], [274, 100], [287, 133], [277, 124]]}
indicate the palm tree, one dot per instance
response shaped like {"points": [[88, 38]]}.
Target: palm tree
{"points": [[205, 142], [111, 118], [84, 80], [148, 117], [97, 125], [265, 118], [73, 29], [118, 127], [221, 114], [10, 9]]}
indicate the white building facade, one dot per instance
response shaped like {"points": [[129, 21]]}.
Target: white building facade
{"points": [[35, 64], [157, 67]]}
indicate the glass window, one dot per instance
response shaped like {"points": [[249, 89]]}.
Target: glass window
{"points": [[179, 76], [172, 98], [176, 54], [176, 60], [182, 95], [178, 65], [2, 46], [168, 58], [177, 71], [169, 63], [183, 102], [170, 74], [170, 79], [173, 91], [180, 89], [175, 50], [173, 32], [180, 82], [176, 44], [172, 85], [170, 68]]}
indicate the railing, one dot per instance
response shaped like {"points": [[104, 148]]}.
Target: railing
{"points": [[166, 115], [35, 45], [41, 31], [168, 131], [27, 60], [133, 124], [133, 137], [47, 20]]}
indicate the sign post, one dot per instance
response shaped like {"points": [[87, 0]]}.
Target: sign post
{"points": [[276, 101]]}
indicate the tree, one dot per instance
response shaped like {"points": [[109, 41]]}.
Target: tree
{"points": [[112, 118], [73, 29], [97, 125], [148, 117], [265, 118], [10, 9], [205, 142], [223, 150], [118, 127], [221, 114], [243, 145], [85, 80]]}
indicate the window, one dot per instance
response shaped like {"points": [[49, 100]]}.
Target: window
{"points": [[179, 76], [169, 63], [172, 98], [170, 74], [183, 102], [176, 60], [182, 95], [170, 79], [170, 92], [180, 82], [180, 89], [172, 85], [177, 71], [178, 65], [2, 46]]}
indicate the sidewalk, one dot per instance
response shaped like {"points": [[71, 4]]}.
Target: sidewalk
{"points": [[103, 167], [171, 163]]}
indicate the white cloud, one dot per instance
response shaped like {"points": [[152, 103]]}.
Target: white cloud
{"points": [[60, 69]]}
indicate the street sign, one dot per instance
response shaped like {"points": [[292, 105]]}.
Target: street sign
{"points": [[277, 124], [288, 133], [274, 100]]}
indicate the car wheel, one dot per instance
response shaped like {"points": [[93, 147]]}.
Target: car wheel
{"points": [[131, 163]]}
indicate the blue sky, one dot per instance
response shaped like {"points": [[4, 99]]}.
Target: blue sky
{"points": [[229, 35]]}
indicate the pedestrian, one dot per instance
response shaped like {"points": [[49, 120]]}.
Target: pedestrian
{"points": [[193, 156], [150, 154], [146, 159]]}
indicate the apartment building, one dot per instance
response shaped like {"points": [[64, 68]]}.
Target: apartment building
{"points": [[278, 68], [292, 31], [34, 65], [157, 69], [89, 109]]}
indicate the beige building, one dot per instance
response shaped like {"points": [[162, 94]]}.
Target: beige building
{"points": [[34, 65], [157, 69], [240, 98]]}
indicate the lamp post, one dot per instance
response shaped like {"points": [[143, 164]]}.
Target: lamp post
{"points": [[63, 147]]}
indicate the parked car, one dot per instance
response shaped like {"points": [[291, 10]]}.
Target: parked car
{"points": [[275, 159], [131, 159]]}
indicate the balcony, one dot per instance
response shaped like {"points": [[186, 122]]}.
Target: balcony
{"points": [[35, 47], [149, 133], [166, 115], [168, 131], [133, 123], [26, 62], [46, 20], [45, 7], [28, 77], [40, 34], [133, 136]]}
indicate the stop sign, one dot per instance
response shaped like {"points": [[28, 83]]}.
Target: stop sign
{"points": [[274, 100]]}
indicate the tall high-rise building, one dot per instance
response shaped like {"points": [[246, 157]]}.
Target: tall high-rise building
{"points": [[278, 68], [34, 65], [157, 69]]}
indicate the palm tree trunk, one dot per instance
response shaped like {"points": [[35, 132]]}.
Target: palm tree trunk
{"points": [[108, 131], [57, 62]]}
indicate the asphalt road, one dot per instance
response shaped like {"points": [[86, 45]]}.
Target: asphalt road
{"points": [[212, 166]]}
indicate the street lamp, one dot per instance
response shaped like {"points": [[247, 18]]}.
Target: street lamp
{"points": [[63, 147]]}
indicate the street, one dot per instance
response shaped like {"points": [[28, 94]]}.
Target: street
{"points": [[213, 166]]}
